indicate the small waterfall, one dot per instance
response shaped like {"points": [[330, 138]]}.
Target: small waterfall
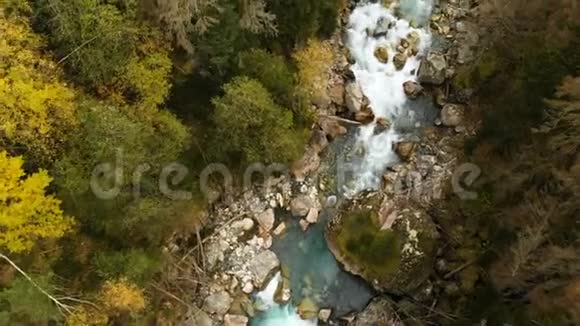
{"points": [[277, 315], [382, 83]]}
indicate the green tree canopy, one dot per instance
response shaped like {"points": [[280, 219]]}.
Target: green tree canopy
{"points": [[271, 71], [249, 123]]}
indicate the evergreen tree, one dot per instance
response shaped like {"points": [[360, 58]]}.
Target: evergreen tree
{"points": [[250, 124]]}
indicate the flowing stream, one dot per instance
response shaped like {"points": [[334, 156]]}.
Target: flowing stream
{"points": [[314, 273]]}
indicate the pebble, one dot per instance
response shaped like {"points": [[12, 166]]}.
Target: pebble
{"points": [[248, 288], [279, 229], [324, 315], [331, 201], [312, 216]]}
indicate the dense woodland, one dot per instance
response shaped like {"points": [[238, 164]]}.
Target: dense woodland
{"points": [[519, 239], [83, 82]]}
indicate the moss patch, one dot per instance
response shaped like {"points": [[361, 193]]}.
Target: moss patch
{"points": [[471, 76], [362, 241]]}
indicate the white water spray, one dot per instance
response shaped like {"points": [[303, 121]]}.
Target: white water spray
{"points": [[382, 83], [276, 314]]}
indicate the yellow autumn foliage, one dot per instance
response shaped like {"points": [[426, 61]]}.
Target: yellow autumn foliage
{"points": [[148, 74], [36, 107], [313, 62], [87, 316], [122, 296], [26, 212]]}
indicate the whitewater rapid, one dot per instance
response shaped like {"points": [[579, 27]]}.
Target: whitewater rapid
{"points": [[382, 83]]}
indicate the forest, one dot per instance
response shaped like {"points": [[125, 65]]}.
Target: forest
{"points": [[142, 84], [84, 81]]}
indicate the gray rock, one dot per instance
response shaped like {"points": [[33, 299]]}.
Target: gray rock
{"points": [[318, 141], [312, 216], [324, 315], [248, 288], [412, 89], [365, 115], [331, 201], [266, 219], [301, 205], [336, 93], [309, 163], [383, 124], [262, 266], [243, 225], [405, 149], [197, 317], [378, 312], [304, 225], [332, 127], [215, 252], [433, 69], [218, 303], [383, 26], [281, 228], [467, 41], [354, 97], [452, 114], [235, 320], [399, 60]]}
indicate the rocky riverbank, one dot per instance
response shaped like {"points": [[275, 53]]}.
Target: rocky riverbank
{"points": [[238, 255]]}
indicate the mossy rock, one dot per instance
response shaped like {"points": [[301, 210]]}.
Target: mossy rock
{"points": [[397, 260], [307, 309], [471, 76], [382, 54], [242, 305]]}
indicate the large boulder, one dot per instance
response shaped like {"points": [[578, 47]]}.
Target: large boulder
{"points": [[309, 163], [301, 205], [405, 149], [263, 266], [365, 115], [433, 69], [307, 309], [383, 124], [412, 89], [379, 312], [218, 303], [336, 93], [394, 259], [266, 219], [354, 97], [332, 127], [452, 115]]}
